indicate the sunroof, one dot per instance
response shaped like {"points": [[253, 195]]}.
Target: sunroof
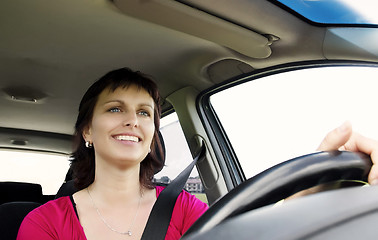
{"points": [[336, 11]]}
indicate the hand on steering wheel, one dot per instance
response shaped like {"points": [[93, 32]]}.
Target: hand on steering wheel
{"points": [[282, 181], [343, 138]]}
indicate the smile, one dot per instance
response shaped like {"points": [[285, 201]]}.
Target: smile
{"points": [[127, 138]]}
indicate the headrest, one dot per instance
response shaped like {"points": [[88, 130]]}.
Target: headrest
{"points": [[67, 189], [162, 160], [20, 191]]}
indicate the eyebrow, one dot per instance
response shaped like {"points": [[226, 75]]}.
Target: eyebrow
{"points": [[123, 103]]}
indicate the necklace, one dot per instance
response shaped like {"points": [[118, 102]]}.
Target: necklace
{"points": [[128, 232]]}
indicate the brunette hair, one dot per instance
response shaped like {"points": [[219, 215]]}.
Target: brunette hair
{"points": [[83, 158]]}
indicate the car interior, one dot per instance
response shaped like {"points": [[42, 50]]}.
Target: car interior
{"points": [[52, 51]]}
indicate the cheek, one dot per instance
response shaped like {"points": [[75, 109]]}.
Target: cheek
{"points": [[150, 131], [101, 125]]}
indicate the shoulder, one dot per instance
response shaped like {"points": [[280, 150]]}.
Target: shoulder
{"points": [[51, 209], [187, 210], [46, 219], [190, 204]]}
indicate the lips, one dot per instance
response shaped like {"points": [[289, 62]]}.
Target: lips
{"points": [[127, 138]]}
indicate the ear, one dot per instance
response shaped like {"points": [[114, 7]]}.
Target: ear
{"points": [[87, 134]]}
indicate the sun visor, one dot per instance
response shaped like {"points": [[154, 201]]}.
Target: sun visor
{"points": [[226, 69], [353, 43], [183, 18]]}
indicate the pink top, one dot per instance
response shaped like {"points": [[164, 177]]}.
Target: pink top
{"points": [[57, 219]]}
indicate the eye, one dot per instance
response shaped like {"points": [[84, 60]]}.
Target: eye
{"points": [[114, 109], [144, 113]]}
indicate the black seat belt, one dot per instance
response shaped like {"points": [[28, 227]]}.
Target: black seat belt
{"points": [[160, 217]]}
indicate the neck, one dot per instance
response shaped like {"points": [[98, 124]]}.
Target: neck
{"points": [[116, 185]]}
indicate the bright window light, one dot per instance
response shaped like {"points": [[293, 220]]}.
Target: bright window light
{"points": [[49, 170]]}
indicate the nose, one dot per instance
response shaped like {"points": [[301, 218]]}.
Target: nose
{"points": [[131, 120]]}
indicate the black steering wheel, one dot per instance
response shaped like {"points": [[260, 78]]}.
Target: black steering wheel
{"points": [[282, 181]]}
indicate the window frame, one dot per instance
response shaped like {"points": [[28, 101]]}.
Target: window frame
{"points": [[225, 154]]}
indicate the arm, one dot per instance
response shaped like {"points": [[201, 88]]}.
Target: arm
{"points": [[30, 229]]}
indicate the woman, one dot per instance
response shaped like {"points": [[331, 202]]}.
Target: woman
{"points": [[114, 162], [113, 165]]}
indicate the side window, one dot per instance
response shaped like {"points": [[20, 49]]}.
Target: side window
{"points": [[281, 116], [178, 157], [47, 169]]}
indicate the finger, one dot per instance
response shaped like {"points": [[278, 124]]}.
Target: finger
{"points": [[370, 147], [363, 144], [359, 143], [373, 175], [336, 138]]}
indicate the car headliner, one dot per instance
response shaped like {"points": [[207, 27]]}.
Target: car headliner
{"points": [[51, 51]]}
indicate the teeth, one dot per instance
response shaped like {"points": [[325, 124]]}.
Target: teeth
{"points": [[127, 138]]}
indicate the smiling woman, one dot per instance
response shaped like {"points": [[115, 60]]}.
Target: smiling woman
{"points": [[117, 151], [248, 80], [115, 110]]}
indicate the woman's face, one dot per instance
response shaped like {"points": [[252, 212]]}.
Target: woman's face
{"points": [[122, 126]]}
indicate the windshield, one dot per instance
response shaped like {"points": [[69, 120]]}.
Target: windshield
{"points": [[285, 115], [335, 11]]}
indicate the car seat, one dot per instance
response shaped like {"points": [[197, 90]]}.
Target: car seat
{"points": [[11, 216], [17, 199], [20, 191]]}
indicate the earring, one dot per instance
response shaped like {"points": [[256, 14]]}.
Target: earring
{"points": [[88, 144], [149, 151]]}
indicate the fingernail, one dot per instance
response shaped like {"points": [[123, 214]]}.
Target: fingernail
{"points": [[343, 127]]}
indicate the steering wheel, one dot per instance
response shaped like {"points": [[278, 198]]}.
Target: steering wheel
{"points": [[282, 181]]}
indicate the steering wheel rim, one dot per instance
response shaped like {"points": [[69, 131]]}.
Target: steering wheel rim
{"points": [[283, 180]]}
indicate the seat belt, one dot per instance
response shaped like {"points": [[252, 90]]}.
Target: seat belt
{"points": [[161, 214]]}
